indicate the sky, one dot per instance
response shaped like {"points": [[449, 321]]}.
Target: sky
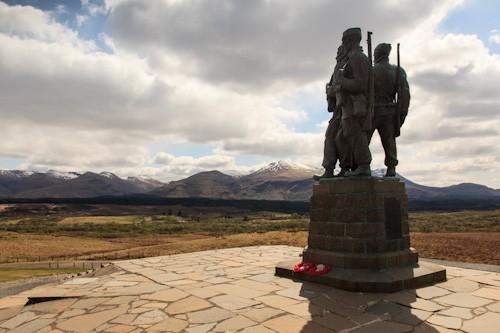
{"points": [[168, 88]]}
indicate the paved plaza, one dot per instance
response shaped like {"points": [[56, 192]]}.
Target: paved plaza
{"points": [[235, 290]]}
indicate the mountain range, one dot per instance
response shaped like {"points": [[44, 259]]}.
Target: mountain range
{"points": [[279, 180]]}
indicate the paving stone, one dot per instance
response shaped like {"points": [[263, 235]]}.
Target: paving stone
{"points": [[217, 280], [18, 320], [479, 311], [276, 301], [486, 323], [9, 312], [356, 299], [463, 300], [204, 292], [88, 322], [188, 304], [88, 303], [120, 300], [71, 313], [335, 322], [250, 284], [261, 314], [139, 310], [293, 324], [9, 302], [235, 290], [409, 300], [32, 326], [169, 325], [168, 295], [234, 324], [457, 312], [383, 327], [304, 309], [385, 308], [45, 329], [431, 292], [445, 321], [150, 317], [257, 329], [182, 282], [492, 279], [488, 293], [495, 307], [266, 277], [459, 285], [120, 329], [55, 306], [297, 293], [431, 328], [156, 305], [213, 314], [124, 319], [231, 302], [200, 328], [411, 316], [249, 298]]}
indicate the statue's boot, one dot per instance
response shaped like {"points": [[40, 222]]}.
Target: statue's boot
{"points": [[390, 172], [361, 171], [328, 174], [342, 172]]}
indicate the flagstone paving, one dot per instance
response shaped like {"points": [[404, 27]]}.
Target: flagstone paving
{"points": [[235, 290]]}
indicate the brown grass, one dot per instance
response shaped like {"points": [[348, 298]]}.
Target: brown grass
{"points": [[99, 219], [475, 247]]}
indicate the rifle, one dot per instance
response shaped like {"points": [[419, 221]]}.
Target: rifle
{"points": [[371, 80], [398, 96]]}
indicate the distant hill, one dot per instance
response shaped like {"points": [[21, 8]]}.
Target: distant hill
{"points": [[21, 184], [279, 180], [283, 180]]}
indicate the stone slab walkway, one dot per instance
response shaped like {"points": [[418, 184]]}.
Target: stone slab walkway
{"points": [[235, 290]]}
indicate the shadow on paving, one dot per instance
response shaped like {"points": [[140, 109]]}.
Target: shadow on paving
{"points": [[334, 310]]}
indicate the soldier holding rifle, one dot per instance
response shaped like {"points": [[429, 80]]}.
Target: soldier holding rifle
{"points": [[392, 99]]}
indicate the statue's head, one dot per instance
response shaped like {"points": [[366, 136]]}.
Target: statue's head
{"points": [[382, 51], [351, 37]]}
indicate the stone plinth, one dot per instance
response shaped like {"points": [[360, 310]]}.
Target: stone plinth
{"points": [[359, 226]]}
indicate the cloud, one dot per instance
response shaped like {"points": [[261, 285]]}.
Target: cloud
{"points": [[239, 76], [494, 36], [256, 44]]}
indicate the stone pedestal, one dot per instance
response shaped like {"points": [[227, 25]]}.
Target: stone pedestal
{"points": [[359, 226]]}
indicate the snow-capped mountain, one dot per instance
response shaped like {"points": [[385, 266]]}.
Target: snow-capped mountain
{"points": [[281, 180], [56, 184]]}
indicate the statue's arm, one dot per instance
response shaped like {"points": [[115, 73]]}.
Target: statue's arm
{"points": [[359, 83]]}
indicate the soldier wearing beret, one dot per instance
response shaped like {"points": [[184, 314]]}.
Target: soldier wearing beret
{"points": [[389, 115]]}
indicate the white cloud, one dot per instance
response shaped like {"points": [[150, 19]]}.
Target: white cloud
{"points": [[494, 36], [239, 76]]}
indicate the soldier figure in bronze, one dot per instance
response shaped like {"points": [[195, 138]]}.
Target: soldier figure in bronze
{"points": [[335, 101], [356, 120], [392, 99]]}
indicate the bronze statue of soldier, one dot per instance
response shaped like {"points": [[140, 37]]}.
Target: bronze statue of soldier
{"points": [[346, 138], [356, 120], [392, 99], [335, 101]]}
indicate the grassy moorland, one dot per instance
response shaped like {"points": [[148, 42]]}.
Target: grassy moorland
{"points": [[472, 236]]}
